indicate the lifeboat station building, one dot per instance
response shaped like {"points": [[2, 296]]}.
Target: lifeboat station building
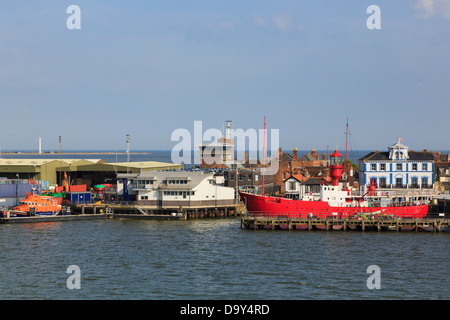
{"points": [[399, 168], [176, 188]]}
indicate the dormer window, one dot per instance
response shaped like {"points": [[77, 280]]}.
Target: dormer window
{"points": [[399, 155], [398, 151]]}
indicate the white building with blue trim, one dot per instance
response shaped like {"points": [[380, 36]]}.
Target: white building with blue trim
{"points": [[398, 168]]}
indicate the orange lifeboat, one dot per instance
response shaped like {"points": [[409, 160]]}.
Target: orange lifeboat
{"points": [[34, 204]]}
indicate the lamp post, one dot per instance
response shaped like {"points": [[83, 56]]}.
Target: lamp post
{"points": [[128, 153], [60, 160]]}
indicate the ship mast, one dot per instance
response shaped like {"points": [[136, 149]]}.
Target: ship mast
{"points": [[345, 165], [264, 155]]}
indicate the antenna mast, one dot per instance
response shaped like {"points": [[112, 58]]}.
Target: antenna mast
{"points": [[264, 154]]}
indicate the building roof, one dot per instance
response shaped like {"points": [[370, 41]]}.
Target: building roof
{"points": [[308, 157], [295, 177], [376, 155], [144, 164], [421, 155], [287, 157], [398, 145], [194, 178], [413, 156], [313, 181], [40, 162], [125, 166]]}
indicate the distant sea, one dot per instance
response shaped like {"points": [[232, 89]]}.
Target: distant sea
{"points": [[142, 155]]}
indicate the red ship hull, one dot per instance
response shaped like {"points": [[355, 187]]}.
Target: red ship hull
{"points": [[266, 206]]}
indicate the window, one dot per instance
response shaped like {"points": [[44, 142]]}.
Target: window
{"points": [[399, 167], [293, 186], [424, 182], [414, 182], [424, 166], [399, 181], [373, 181], [232, 177], [414, 166], [241, 177], [176, 181], [382, 182], [382, 167], [373, 167], [140, 184]]}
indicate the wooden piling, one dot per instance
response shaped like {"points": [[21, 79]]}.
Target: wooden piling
{"points": [[419, 225]]}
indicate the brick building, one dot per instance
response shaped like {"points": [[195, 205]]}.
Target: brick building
{"points": [[300, 167]]}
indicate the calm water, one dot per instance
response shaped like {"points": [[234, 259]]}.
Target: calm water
{"points": [[215, 259]]}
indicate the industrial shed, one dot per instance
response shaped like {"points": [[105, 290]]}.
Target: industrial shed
{"points": [[79, 171]]}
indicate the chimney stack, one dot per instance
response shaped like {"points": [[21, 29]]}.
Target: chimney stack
{"points": [[280, 153], [295, 154]]}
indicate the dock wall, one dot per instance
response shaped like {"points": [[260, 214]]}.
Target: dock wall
{"points": [[190, 212]]}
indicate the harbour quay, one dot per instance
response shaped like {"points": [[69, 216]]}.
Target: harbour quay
{"points": [[417, 225], [85, 212], [56, 218], [148, 212]]}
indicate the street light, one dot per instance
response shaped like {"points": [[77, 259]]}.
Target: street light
{"points": [[128, 153], [60, 160]]}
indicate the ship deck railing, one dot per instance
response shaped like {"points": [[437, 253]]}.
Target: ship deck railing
{"points": [[396, 193]]}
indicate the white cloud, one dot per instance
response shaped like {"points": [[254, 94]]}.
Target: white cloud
{"points": [[429, 8], [281, 22]]}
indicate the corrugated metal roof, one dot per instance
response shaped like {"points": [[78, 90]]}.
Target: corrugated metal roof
{"points": [[40, 162], [143, 164]]}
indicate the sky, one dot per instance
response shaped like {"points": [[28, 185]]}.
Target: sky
{"points": [[147, 68]]}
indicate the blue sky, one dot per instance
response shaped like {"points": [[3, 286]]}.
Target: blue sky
{"points": [[149, 67]]}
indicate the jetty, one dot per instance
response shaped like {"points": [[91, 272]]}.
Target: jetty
{"points": [[157, 212], [83, 212], [425, 224], [55, 218]]}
